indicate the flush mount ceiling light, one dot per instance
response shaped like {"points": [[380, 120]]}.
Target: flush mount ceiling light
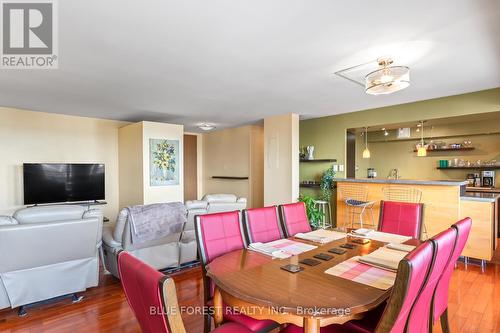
{"points": [[206, 126], [386, 79]]}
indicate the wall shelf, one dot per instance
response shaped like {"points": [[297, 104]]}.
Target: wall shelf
{"points": [[448, 149], [319, 160], [229, 177], [483, 167], [315, 185]]}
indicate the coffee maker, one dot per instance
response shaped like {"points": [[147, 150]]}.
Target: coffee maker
{"points": [[488, 178]]}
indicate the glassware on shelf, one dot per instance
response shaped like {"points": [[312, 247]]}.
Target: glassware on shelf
{"points": [[467, 143]]}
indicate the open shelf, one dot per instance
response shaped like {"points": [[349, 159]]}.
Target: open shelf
{"points": [[448, 149], [229, 177], [315, 185], [483, 167], [324, 160]]}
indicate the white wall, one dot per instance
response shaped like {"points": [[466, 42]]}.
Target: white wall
{"points": [[281, 159], [36, 137]]}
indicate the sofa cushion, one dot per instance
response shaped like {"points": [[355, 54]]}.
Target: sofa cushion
{"points": [[220, 198], [7, 220], [55, 213], [196, 204]]}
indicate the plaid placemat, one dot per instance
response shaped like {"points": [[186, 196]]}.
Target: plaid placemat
{"points": [[353, 270]]}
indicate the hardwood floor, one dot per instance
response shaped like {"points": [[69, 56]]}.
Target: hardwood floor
{"points": [[474, 306]]}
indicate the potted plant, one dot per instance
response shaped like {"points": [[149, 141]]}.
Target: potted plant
{"points": [[314, 214], [326, 184]]}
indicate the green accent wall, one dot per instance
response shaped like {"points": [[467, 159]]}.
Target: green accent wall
{"points": [[328, 134]]}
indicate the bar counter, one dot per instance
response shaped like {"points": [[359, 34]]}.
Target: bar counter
{"points": [[445, 202]]}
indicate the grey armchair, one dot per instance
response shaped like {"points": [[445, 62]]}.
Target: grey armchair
{"points": [[52, 251]]}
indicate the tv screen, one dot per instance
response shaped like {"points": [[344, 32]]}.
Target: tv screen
{"points": [[52, 183]]}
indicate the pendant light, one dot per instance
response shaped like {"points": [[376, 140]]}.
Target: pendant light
{"points": [[422, 150], [366, 152]]}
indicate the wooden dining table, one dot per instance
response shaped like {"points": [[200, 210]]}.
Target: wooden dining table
{"points": [[254, 284]]}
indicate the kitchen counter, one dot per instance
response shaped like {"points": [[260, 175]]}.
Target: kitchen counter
{"points": [[448, 182], [480, 196], [445, 202]]}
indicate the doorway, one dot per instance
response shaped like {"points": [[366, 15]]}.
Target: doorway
{"points": [[351, 155], [190, 167]]}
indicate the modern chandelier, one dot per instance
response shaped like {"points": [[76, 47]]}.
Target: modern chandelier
{"points": [[387, 79]]}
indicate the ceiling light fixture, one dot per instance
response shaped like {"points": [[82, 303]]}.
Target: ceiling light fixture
{"points": [[366, 152], [387, 79], [422, 149], [206, 127]]}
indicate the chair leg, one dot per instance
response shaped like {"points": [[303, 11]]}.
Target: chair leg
{"points": [[21, 312], [76, 299], [207, 326], [445, 326]]}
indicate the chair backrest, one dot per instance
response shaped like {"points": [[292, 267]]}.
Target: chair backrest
{"points": [[218, 233], [420, 316], [262, 224], [402, 218], [402, 194], [147, 290], [412, 274], [356, 192], [440, 302], [294, 218]]}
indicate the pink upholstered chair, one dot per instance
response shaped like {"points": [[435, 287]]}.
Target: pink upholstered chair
{"points": [[147, 289], [402, 218], [421, 317], [262, 224], [217, 234], [412, 274], [294, 218], [440, 301]]}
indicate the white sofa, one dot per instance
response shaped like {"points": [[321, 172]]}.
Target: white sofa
{"points": [[48, 251], [167, 252]]}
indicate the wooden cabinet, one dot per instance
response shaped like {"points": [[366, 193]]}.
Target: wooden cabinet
{"points": [[482, 239]]}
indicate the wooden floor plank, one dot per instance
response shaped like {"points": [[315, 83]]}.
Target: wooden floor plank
{"points": [[474, 306]]}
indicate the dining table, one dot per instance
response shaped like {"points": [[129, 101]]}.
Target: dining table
{"points": [[254, 284]]}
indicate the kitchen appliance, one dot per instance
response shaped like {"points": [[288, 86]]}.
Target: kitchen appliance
{"points": [[470, 179], [488, 178], [477, 180], [372, 173]]}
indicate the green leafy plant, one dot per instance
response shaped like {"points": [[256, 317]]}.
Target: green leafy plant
{"points": [[326, 184], [314, 214]]}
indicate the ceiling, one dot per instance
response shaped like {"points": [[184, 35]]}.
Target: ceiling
{"points": [[234, 62]]}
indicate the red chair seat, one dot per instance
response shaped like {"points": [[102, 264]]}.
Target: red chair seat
{"points": [[329, 329], [254, 325], [231, 328]]}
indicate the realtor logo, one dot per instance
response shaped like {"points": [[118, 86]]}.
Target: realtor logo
{"points": [[29, 34]]}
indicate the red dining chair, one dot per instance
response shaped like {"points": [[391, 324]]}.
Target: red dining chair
{"points": [[440, 300], [411, 276], [421, 317], [153, 299], [294, 218], [262, 224], [402, 218], [217, 234]]}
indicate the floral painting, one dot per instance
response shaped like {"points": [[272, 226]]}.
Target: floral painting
{"points": [[163, 162]]}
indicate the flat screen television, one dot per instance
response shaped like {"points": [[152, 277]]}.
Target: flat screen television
{"points": [[53, 183]]}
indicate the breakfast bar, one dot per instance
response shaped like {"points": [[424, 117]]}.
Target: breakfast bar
{"points": [[445, 201]]}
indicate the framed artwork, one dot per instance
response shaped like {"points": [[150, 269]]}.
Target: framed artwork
{"points": [[163, 162]]}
